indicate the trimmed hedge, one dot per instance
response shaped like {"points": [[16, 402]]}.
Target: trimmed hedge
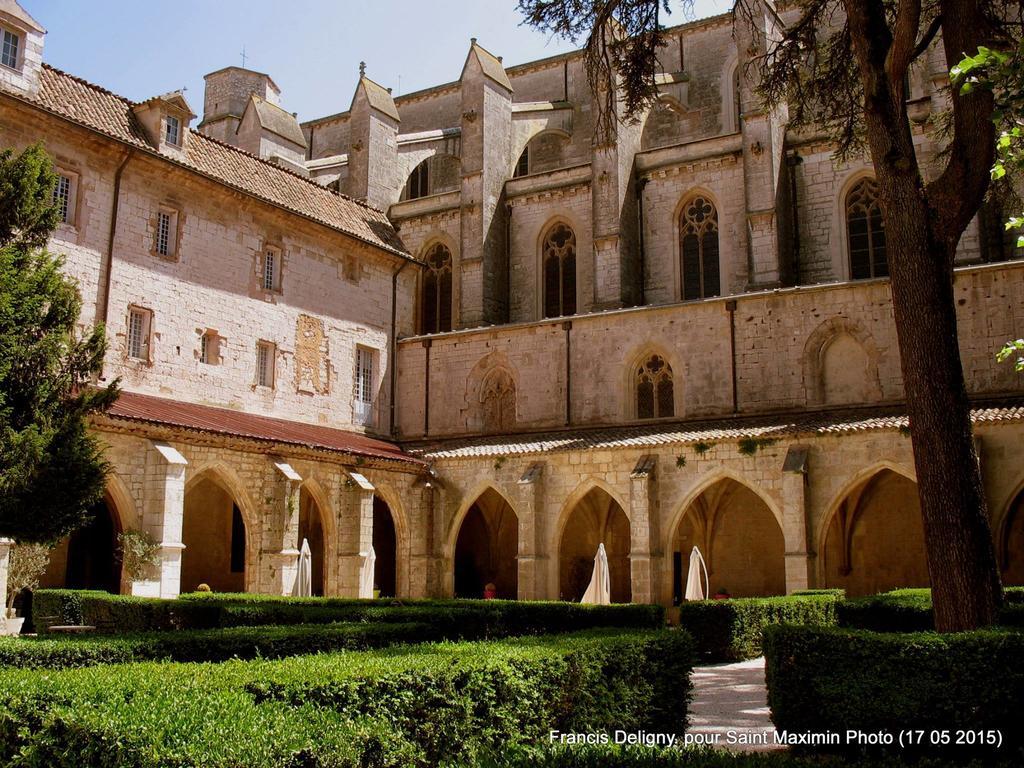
{"points": [[456, 618], [403, 706], [209, 645], [827, 679], [910, 610], [731, 630]]}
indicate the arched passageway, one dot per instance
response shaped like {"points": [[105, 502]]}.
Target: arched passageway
{"points": [[385, 547], [875, 540], [740, 539], [311, 529], [90, 557], [487, 547], [595, 519], [1011, 550], [214, 534]]}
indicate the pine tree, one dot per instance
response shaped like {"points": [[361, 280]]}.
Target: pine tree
{"points": [[52, 470]]}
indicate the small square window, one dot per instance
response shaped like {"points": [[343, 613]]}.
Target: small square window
{"points": [[64, 197], [10, 50], [265, 354], [173, 135], [139, 324], [271, 269], [166, 238], [209, 348]]}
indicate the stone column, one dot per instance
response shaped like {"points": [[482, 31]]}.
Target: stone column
{"points": [[5, 558], [355, 531], [422, 503], [645, 551], [163, 514], [532, 557], [795, 528], [283, 533]]}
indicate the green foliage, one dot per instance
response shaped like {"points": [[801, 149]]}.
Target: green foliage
{"points": [[680, 461], [26, 563], [1012, 348], [139, 553], [456, 618], [731, 630], [701, 448], [49, 463], [910, 610], [403, 706], [831, 679]]}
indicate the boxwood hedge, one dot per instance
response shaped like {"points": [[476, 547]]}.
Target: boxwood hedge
{"points": [[473, 618], [731, 630], [421, 705], [828, 679], [910, 610]]}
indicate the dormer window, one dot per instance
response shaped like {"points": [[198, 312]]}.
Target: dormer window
{"points": [[173, 133], [11, 49]]}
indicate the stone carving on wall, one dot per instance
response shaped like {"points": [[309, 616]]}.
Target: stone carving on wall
{"points": [[498, 400], [312, 356]]}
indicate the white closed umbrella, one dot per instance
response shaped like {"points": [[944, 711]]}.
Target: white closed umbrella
{"points": [[600, 590], [304, 578], [694, 589], [366, 575]]}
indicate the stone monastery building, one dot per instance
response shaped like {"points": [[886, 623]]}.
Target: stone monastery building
{"points": [[466, 328]]}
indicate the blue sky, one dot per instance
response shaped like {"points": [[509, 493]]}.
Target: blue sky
{"points": [[312, 48]]}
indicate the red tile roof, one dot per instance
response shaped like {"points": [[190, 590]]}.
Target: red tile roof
{"points": [[132, 406], [89, 105]]}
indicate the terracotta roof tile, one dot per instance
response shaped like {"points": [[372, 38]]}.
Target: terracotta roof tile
{"points": [[132, 406], [110, 114], [762, 427]]}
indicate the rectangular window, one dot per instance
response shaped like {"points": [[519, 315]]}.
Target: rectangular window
{"points": [[364, 386], [173, 130], [63, 198], [166, 232], [138, 333], [11, 47], [209, 348], [271, 269], [265, 353]]}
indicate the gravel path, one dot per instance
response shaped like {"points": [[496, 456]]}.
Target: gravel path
{"points": [[730, 707]]}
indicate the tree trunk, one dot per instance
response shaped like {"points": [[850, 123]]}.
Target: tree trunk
{"points": [[966, 590]]}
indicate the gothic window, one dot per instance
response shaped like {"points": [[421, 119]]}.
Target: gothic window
{"points": [[865, 231], [498, 398], [655, 397], [698, 250], [523, 165], [437, 291], [559, 258], [419, 182]]}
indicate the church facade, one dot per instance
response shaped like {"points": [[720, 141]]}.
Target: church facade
{"points": [[469, 328]]}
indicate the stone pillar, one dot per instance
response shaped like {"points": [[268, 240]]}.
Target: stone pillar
{"points": [[764, 173], [486, 165], [795, 528], [373, 145], [5, 559], [645, 551], [355, 531], [283, 533], [423, 565], [533, 557], [163, 515]]}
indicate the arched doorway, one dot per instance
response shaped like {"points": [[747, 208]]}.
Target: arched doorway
{"points": [[875, 540], [90, 557], [487, 548], [595, 519], [311, 529], [740, 539], [214, 534], [1011, 551], [385, 547]]}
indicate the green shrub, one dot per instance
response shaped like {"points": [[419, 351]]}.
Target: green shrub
{"points": [[827, 679], [910, 610], [730, 630], [456, 618], [211, 645], [401, 706]]}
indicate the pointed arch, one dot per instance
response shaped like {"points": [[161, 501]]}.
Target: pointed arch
{"points": [[400, 521], [730, 93], [329, 535], [483, 542], [698, 265], [467, 502], [122, 503], [558, 268], [816, 366], [1010, 548], [437, 286]]}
